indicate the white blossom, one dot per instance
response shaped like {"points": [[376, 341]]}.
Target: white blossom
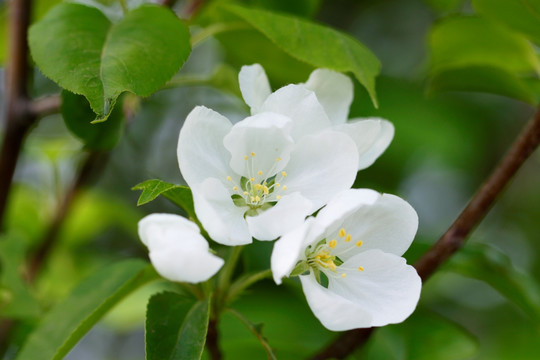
{"points": [[349, 260], [333, 91], [177, 250]]}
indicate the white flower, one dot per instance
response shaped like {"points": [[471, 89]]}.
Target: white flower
{"points": [[256, 178], [333, 92], [176, 248], [355, 245]]}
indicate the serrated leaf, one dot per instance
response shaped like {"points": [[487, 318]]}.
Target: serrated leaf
{"points": [[62, 327], [485, 79], [80, 49], [178, 194], [463, 41], [16, 300], [485, 263], [176, 327], [78, 117], [315, 44], [522, 15]]}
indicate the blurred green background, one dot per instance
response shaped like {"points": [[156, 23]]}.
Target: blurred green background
{"points": [[484, 304]]}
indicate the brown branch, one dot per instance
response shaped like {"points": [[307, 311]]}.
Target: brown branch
{"points": [[212, 343], [18, 118], [44, 106], [454, 238]]}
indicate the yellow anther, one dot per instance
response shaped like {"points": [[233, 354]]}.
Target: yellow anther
{"points": [[283, 173], [266, 190], [257, 198], [359, 243], [332, 243], [348, 238], [360, 268], [278, 159], [342, 232], [259, 173], [343, 275], [257, 186], [228, 178], [278, 197], [252, 154], [245, 193], [332, 266], [235, 188], [252, 199], [252, 179], [284, 187], [245, 157], [278, 184]]}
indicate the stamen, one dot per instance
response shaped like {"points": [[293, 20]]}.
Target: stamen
{"points": [[277, 184], [252, 199], [252, 154], [228, 178], [278, 159], [245, 193], [348, 238], [257, 198], [283, 173], [342, 232], [284, 187], [266, 190], [360, 268], [359, 243], [252, 179], [257, 186], [245, 157], [259, 173], [235, 188], [278, 197], [343, 275], [332, 243]]}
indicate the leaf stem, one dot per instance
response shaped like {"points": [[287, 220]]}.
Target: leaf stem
{"points": [[244, 282], [256, 332], [456, 235], [124, 6], [228, 270], [216, 29]]}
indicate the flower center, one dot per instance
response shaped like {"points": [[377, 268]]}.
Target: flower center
{"points": [[258, 191], [323, 258]]}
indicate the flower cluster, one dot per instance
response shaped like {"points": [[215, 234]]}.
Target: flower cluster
{"points": [[264, 177]]}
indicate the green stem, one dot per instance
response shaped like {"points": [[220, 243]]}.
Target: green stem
{"points": [[228, 270], [256, 330], [216, 29], [124, 6], [244, 282]]}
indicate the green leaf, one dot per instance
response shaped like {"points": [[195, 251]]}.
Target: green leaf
{"points": [[62, 327], [472, 41], [485, 79], [176, 327], [520, 15], [16, 300], [315, 44], [178, 194], [78, 117], [81, 50], [485, 263]]}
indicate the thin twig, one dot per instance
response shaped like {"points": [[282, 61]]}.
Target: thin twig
{"points": [[18, 118], [44, 106], [454, 238]]}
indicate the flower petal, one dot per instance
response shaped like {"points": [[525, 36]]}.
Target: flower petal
{"points": [[372, 137], [176, 249], [389, 224], [386, 288], [335, 312], [201, 153], [286, 215], [288, 250], [222, 219], [300, 105], [321, 166], [254, 86], [257, 142], [334, 91]]}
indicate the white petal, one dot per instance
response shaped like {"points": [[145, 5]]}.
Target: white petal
{"points": [[201, 153], [254, 86], [289, 213], [321, 166], [300, 105], [372, 137], [332, 216], [334, 91], [216, 211], [335, 312], [177, 250], [265, 135], [389, 224], [387, 288], [288, 250]]}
